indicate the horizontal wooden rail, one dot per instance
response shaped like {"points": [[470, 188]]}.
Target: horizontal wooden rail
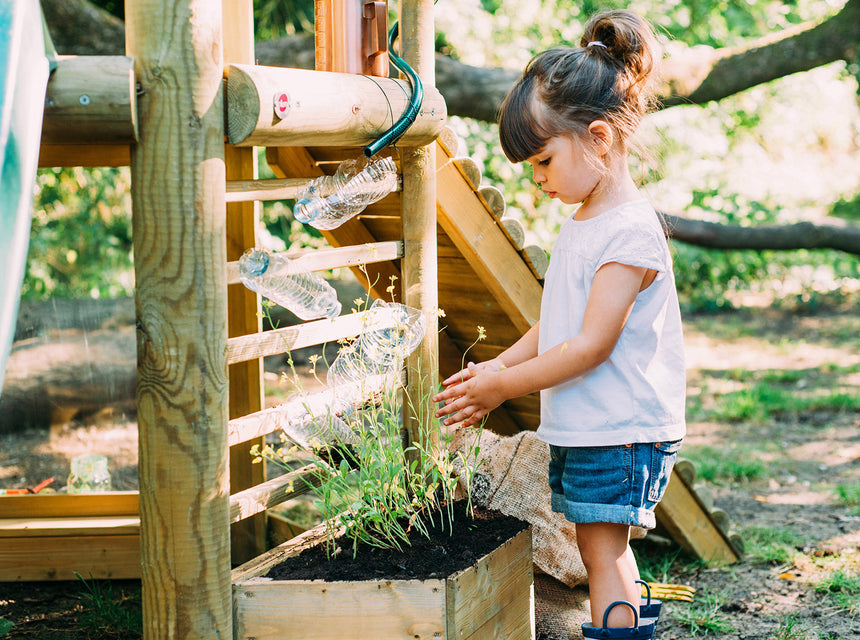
{"points": [[273, 106], [91, 100], [245, 504], [268, 189], [262, 423], [308, 334], [334, 258]]}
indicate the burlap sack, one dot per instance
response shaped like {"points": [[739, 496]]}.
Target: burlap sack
{"points": [[511, 477], [559, 610]]}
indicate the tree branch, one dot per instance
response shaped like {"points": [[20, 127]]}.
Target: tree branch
{"points": [[801, 235], [694, 76]]}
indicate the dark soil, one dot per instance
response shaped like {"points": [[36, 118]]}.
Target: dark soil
{"points": [[441, 554]]}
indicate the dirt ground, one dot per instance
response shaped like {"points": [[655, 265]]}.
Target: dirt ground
{"points": [[807, 455]]}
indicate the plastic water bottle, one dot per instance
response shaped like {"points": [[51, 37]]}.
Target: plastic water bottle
{"points": [[89, 474], [328, 202], [391, 332], [305, 294]]}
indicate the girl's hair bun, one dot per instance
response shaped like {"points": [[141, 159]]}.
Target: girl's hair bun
{"points": [[629, 40]]}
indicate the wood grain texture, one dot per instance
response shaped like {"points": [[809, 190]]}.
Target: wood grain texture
{"points": [[181, 303]]}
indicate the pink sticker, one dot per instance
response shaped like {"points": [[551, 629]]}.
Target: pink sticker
{"points": [[282, 104]]}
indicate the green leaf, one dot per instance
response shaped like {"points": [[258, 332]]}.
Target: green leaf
{"points": [[5, 626]]}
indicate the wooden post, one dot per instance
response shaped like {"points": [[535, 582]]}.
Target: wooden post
{"points": [[419, 226], [180, 265], [248, 538]]}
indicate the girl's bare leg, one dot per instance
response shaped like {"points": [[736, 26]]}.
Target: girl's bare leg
{"points": [[612, 572]]}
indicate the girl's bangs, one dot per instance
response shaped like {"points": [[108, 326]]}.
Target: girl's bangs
{"points": [[521, 134]]}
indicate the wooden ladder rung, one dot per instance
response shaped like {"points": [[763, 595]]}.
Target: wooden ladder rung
{"points": [[332, 258], [307, 334], [265, 189], [269, 189], [262, 423], [245, 504]]}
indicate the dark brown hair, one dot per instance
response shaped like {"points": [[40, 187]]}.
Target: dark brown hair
{"points": [[563, 90]]}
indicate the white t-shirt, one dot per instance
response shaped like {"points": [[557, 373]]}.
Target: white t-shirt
{"points": [[637, 394]]}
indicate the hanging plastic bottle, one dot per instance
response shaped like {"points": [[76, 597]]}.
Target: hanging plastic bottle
{"points": [[328, 202], [391, 332], [315, 420], [305, 294]]}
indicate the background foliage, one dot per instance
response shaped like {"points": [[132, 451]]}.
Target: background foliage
{"points": [[777, 153]]}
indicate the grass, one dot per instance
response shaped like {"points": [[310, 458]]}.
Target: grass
{"points": [[843, 587], [774, 546], [791, 628], [108, 612], [849, 495], [704, 616], [732, 464]]}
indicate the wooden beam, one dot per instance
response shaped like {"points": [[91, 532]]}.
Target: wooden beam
{"points": [[273, 492], [683, 514], [333, 258], [418, 218], [93, 155], [247, 539], [91, 100], [180, 256], [322, 108], [473, 230]]}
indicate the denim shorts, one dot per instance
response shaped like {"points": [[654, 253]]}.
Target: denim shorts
{"points": [[620, 484]]}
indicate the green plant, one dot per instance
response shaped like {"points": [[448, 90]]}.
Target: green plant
{"points": [[372, 488], [771, 544], [726, 464], [849, 494], [704, 616], [791, 629], [844, 587], [106, 611], [5, 626]]}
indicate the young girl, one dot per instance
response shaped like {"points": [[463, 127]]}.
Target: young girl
{"points": [[607, 354]]}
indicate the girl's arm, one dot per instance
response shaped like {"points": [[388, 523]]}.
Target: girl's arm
{"points": [[612, 295]]}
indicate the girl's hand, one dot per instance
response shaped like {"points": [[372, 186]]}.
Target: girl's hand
{"points": [[465, 374], [471, 395]]}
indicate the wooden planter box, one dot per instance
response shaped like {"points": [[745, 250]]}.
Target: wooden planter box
{"points": [[494, 598]]}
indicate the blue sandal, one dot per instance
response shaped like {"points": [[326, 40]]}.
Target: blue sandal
{"points": [[650, 608], [642, 629]]}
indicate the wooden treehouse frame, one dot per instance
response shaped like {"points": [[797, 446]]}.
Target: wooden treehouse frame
{"points": [[187, 84]]}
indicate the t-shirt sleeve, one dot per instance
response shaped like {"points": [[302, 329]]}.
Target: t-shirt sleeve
{"points": [[638, 245]]}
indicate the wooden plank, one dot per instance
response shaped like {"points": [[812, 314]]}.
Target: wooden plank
{"points": [[307, 334], [480, 593], [378, 609], [57, 558], [477, 235], [92, 155], [263, 563], [71, 526], [181, 301], [687, 520], [51, 505], [269, 189], [247, 539], [273, 492], [333, 258]]}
